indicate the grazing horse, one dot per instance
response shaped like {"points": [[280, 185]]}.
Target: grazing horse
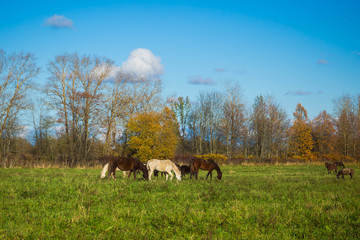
{"points": [[126, 164], [330, 167], [345, 171], [340, 164], [163, 166], [105, 169], [185, 169], [210, 165]]}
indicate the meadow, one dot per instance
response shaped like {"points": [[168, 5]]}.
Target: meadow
{"points": [[250, 202]]}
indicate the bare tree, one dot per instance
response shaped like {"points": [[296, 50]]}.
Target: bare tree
{"points": [[346, 115], [90, 73], [269, 126], [181, 107], [323, 133], [205, 119], [59, 88], [43, 123], [75, 92], [17, 71], [233, 120], [116, 100], [258, 125]]}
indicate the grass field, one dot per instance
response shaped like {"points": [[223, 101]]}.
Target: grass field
{"points": [[250, 202]]}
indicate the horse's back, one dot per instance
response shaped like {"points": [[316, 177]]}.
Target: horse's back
{"points": [[160, 165], [347, 171]]}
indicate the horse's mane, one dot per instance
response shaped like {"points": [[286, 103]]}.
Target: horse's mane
{"points": [[217, 168]]}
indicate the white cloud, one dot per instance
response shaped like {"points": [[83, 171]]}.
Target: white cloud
{"points": [[144, 64], [111, 70], [59, 21]]}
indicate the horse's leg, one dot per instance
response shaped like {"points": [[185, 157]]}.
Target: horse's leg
{"points": [[124, 174], [171, 175], [150, 173], [112, 170], [135, 174], [209, 174], [129, 174]]}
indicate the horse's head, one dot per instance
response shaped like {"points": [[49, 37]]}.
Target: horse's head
{"points": [[219, 176], [145, 173], [339, 173]]}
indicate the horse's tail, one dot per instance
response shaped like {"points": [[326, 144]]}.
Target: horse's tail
{"points": [[192, 169], [103, 172]]}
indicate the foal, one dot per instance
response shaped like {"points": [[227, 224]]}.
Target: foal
{"points": [[345, 171], [185, 169]]}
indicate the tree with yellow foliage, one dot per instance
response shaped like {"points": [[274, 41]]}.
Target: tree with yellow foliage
{"points": [[153, 134], [301, 142]]}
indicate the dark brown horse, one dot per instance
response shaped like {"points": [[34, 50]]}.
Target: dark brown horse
{"points": [[331, 166], [340, 164], [185, 169], [345, 171], [126, 164], [210, 165]]}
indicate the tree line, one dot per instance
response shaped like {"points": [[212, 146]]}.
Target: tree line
{"points": [[85, 111]]}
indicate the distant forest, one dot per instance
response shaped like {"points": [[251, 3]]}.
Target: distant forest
{"points": [[84, 112]]}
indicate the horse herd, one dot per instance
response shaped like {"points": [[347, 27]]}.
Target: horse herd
{"points": [[343, 171], [154, 166]]}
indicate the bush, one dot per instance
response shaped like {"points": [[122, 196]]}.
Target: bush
{"points": [[220, 159]]}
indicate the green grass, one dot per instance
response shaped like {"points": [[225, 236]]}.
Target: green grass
{"points": [[250, 202]]}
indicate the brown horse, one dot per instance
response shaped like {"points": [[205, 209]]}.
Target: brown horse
{"points": [[126, 164], [340, 164], [330, 167], [210, 165], [345, 171]]}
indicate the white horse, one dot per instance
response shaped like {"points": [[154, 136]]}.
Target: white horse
{"points": [[163, 166], [105, 169]]}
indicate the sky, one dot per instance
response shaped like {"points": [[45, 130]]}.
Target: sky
{"points": [[304, 52]]}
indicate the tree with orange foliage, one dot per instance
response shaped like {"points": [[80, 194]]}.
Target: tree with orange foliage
{"points": [[301, 142], [153, 134]]}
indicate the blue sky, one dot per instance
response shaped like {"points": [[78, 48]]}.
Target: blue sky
{"points": [[297, 51]]}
